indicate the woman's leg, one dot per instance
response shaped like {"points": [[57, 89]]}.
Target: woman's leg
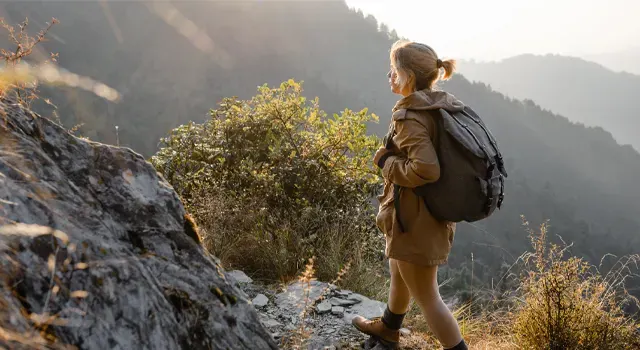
{"points": [[399, 296], [422, 283], [386, 328]]}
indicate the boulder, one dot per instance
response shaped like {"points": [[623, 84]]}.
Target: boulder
{"points": [[97, 251]]}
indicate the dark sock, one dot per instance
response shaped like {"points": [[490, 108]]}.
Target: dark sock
{"points": [[391, 320], [460, 346]]}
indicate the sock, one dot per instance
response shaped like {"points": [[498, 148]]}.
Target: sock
{"points": [[391, 320], [460, 346]]}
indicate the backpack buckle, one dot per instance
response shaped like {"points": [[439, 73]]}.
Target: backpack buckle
{"points": [[500, 200]]}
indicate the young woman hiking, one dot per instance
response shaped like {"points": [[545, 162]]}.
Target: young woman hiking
{"points": [[416, 243]]}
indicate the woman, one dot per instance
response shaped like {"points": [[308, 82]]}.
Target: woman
{"points": [[416, 243]]}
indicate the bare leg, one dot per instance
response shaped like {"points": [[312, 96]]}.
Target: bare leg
{"points": [[422, 283], [399, 296]]}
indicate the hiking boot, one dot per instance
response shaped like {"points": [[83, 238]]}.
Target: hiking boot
{"points": [[377, 329]]}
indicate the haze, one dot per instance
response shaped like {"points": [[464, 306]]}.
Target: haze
{"points": [[497, 29]]}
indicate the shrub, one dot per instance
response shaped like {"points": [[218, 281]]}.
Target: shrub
{"points": [[273, 181], [568, 304]]}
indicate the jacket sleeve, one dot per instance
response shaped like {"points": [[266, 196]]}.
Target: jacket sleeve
{"points": [[420, 166]]}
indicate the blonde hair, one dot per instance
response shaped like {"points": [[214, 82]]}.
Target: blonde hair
{"points": [[417, 65]]}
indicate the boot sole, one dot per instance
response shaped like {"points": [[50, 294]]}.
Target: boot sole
{"points": [[387, 344], [376, 343]]}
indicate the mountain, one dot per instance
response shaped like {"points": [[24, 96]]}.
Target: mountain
{"points": [[621, 61], [583, 91], [173, 61]]}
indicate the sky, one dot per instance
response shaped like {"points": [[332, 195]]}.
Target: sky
{"points": [[495, 29]]}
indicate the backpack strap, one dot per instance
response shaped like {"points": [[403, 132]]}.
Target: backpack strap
{"points": [[399, 114]]}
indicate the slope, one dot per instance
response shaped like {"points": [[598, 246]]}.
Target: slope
{"points": [[585, 92]]}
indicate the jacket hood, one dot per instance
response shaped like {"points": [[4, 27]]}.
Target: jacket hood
{"points": [[429, 100]]}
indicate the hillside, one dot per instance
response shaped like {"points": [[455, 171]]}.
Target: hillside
{"points": [[578, 177], [622, 61], [585, 92]]}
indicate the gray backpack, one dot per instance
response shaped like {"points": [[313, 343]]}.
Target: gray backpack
{"points": [[472, 172]]}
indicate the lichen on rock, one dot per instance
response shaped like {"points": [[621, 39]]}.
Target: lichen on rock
{"points": [[97, 251]]}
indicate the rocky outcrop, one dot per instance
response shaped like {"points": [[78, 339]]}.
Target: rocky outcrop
{"points": [[96, 251], [328, 315]]}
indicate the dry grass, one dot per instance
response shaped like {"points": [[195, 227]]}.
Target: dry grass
{"points": [[568, 304], [297, 340], [561, 303], [275, 249]]}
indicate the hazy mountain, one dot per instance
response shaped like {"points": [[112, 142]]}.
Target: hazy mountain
{"points": [[174, 63], [621, 61], [583, 91]]}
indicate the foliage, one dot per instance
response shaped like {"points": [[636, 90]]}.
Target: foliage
{"points": [[274, 180], [568, 304], [23, 88]]}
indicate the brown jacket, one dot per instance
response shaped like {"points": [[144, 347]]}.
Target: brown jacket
{"points": [[425, 240]]}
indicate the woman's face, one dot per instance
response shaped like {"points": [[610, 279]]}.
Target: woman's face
{"points": [[392, 75]]}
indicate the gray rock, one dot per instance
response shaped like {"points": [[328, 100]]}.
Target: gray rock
{"points": [[293, 299], [355, 297], [338, 311], [239, 276], [115, 233], [405, 332], [367, 308], [260, 300], [323, 307], [343, 302], [272, 323], [344, 293]]}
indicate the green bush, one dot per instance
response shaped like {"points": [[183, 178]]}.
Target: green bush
{"points": [[274, 180]]}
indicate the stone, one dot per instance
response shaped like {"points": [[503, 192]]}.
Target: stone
{"points": [[260, 300], [239, 276], [272, 323], [405, 332], [343, 302], [344, 293], [338, 311], [118, 237], [323, 307], [366, 308], [355, 297], [293, 298]]}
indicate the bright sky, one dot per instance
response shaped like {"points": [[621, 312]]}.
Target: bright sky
{"points": [[496, 29]]}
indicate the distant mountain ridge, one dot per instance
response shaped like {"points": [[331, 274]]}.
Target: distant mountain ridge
{"points": [[621, 61], [585, 92]]}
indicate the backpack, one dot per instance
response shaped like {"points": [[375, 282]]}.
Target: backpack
{"points": [[472, 172]]}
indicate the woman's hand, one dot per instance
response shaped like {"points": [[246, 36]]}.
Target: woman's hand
{"points": [[381, 156]]}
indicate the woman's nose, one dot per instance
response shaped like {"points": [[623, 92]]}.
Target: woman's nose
{"points": [[389, 74]]}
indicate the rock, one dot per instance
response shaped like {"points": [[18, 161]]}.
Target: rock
{"points": [[343, 302], [239, 276], [260, 300], [405, 332], [355, 297], [323, 307], [113, 232], [338, 311], [366, 308], [344, 293], [293, 299], [272, 323]]}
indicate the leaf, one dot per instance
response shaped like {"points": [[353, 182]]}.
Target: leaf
{"points": [[79, 294], [81, 266], [51, 263]]}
